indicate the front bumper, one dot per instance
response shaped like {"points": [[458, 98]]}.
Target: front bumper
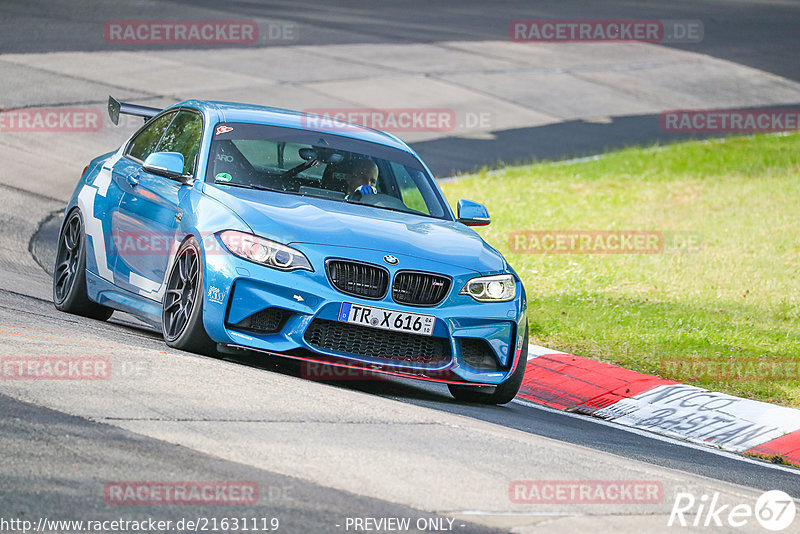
{"points": [[237, 290]]}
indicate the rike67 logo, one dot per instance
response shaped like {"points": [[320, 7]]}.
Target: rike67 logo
{"points": [[774, 510]]}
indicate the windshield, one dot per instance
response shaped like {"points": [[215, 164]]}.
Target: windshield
{"points": [[332, 167]]}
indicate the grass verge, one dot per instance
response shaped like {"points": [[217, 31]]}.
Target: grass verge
{"points": [[718, 306]]}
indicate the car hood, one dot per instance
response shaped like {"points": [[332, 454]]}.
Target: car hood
{"points": [[289, 219]]}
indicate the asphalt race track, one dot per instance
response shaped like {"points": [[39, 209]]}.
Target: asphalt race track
{"points": [[324, 453]]}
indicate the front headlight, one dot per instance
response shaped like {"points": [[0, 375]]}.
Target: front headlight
{"points": [[263, 251], [498, 288]]}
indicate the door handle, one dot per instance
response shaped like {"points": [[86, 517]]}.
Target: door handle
{"points": [[133, 179]]}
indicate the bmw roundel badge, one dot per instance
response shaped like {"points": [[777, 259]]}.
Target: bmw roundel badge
{"points": [[391, 260]]}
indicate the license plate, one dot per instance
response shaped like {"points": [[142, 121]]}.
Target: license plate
{"points": [[412, 323]]}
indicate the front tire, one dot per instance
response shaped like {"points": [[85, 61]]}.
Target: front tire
{"points": [[69, 272], [182, 308], [502, 394]]}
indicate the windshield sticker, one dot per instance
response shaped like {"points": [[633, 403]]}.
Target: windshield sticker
{"points": [[223, 177], [223, 129]]}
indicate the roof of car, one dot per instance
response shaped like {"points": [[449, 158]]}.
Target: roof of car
{"points": [[250, 113]]}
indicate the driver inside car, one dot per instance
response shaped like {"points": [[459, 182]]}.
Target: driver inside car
{"points": [[362, 179]]}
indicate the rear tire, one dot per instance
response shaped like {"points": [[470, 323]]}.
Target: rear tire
{"points": [[502, 394], [182, 307], [69, 272]]}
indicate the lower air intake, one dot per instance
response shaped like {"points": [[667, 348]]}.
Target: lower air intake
{"points": [[378, 345], [266, 321], [477, 354]]}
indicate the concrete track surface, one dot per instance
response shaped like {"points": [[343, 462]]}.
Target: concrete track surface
{"points": [[321, 453]]}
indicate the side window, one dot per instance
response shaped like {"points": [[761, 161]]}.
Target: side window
{"points": [[183, 136], [147, 140]]}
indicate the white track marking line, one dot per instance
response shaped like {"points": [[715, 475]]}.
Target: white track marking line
{"points": [[534, 351]]}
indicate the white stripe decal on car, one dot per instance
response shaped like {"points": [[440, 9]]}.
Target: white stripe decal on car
{"points": [[93, 225], [147, 287]]}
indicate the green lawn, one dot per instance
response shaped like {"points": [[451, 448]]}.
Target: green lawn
{"points": [[725, 305]]}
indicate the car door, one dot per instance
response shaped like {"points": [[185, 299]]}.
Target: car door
{"points": [[123, 174], [148, 215]]}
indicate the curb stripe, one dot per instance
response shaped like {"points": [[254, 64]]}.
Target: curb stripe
{"points": [[565, 381], [786, 446], [580, 385]]}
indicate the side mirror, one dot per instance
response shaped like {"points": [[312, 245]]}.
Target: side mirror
{"points": [[167, 164], [472, 214]]}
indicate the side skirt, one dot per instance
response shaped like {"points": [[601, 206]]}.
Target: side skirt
{"points": [[104, 292]]}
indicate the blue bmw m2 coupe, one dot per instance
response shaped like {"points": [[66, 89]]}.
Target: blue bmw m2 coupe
{"points": [[236, 227]]}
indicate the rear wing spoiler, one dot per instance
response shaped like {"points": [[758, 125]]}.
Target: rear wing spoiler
{"points": [[115, 107]]}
